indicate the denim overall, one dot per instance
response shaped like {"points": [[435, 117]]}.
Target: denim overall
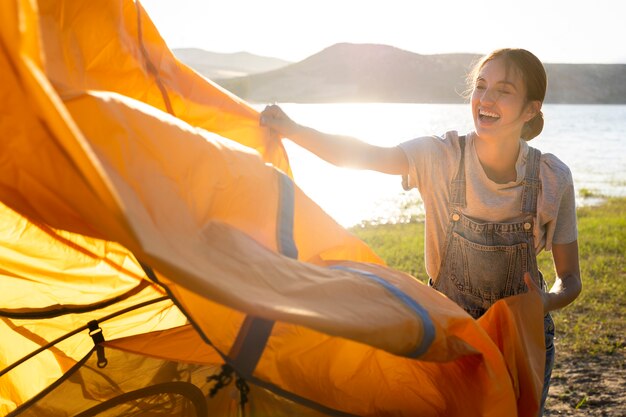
{"points": [[484, 262]]}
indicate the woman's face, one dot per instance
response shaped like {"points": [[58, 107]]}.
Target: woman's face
{"points": [[499, 104]]}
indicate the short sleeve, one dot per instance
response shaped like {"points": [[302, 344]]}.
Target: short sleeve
{"points": [[557, 211], [430, 159], [566, 230]]}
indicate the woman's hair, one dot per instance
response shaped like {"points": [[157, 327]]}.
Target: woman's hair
{"points": [[533, 74]]}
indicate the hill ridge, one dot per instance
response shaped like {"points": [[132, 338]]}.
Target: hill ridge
{"points": [[372, 72]]}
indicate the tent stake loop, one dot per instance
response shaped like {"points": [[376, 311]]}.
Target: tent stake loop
{"points": [[95, 331]]}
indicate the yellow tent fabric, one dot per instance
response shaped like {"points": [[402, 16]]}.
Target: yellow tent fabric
{"points": [[129, 180]]}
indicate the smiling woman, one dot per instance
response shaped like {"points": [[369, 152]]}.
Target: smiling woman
{"points": [[521, 89], [490, 200], [508, 91]]}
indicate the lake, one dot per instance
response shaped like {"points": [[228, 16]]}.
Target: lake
{"points": [[588, 138]]}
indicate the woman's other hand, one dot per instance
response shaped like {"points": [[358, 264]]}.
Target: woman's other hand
{"points": [[534, 288]]}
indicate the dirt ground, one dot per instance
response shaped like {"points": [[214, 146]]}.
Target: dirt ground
{"points": [[588, 386]]}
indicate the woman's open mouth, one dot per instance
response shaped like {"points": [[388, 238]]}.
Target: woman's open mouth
{"points": [[487, 116]]}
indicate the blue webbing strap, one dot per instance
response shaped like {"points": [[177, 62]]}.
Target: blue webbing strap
{"points": [[284, 222], [255, 332], [427, 323]]}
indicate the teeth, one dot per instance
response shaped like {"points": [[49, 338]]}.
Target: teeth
{"points": [[488, 114]]}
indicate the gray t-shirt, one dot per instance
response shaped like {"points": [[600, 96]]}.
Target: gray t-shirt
{"points": [[433, 162]]}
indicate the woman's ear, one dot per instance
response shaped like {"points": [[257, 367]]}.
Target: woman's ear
{"points": [[532, 109]]}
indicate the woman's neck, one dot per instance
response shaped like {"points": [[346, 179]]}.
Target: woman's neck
{"points": [[498, 157]]}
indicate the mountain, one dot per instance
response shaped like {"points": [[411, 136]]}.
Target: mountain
{"points": [[379, 73], [586, 83], [215, 65]]}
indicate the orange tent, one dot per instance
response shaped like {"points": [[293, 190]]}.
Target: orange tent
{"points": [[156, 257]]}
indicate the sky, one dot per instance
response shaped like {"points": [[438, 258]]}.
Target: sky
{"points": [[567, 31]]}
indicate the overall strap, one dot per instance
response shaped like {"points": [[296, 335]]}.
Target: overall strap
{"points": [[457, 187], [532, 183]]}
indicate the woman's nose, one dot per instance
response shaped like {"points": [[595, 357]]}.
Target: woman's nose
{"points": [[489, 95]]}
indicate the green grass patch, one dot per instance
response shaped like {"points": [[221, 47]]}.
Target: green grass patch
{"points": [[587, 193], [400, 245], [596, 322]]}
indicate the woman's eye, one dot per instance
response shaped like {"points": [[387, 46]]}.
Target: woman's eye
{"points": [[504, 92], [479, 87]]}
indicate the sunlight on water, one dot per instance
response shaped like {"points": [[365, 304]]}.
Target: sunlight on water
{"points": [[589, 139]]}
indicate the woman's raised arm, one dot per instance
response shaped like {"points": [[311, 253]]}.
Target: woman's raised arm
{"points": [[343, 151]]}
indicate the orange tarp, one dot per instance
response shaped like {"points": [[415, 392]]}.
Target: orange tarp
{"points": [[113, 152]]}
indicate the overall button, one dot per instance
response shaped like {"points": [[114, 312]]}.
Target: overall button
{"points": [[456, 217], [527, 226]]}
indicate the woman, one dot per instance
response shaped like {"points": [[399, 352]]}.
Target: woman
{"points": [[492, 202]]}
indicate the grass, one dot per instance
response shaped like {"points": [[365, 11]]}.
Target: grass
{"points": [[595, 324], [587, 193]]}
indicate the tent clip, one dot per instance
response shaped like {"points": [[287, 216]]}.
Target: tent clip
{"points": [[224, 378], [95, 331], [244, 389]]}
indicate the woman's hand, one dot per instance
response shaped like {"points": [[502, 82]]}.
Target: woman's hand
{"points": [[534, 288], [275, 118]]}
